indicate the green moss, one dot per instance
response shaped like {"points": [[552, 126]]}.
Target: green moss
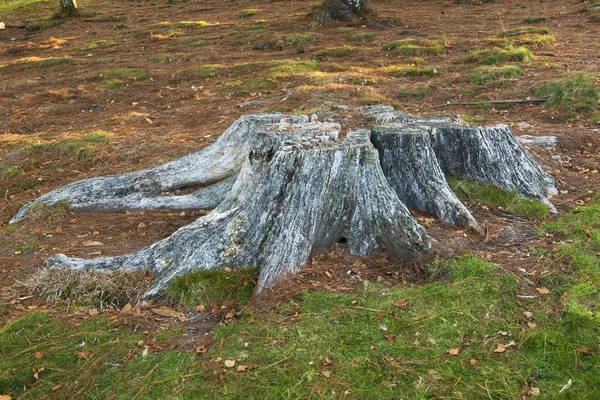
{"points": [[34, 63], [97, 45], [81, 146], [192, 42], [534, 20], [300, 40]]}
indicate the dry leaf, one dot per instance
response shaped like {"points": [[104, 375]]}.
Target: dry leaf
{"points": [[83, 354], [93, 312], [542, 290], [453, 352], [242, 368], [200, 349], [327, 374], [230, 314], [200, 308], [401, 303], [500, 349], [230, 363], [389, 337], [5, 397], [167, 312], [528, 314], [36, 374], [534, 391], [39, 354], [473, 362], [54, 388], [89, 243], [327, 361], [532, 325], [126, 308]]}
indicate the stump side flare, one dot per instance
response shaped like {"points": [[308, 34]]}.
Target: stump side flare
{"points": [[284, 186]]}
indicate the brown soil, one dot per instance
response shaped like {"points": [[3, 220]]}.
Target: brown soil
{"points": [[162, 118]]}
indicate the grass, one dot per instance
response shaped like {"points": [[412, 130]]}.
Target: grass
{"points": [[36, 62], [414, 47], [440, 339], [336, 52], [500, 55], [81, 147], [494, 76], [491, 195], [201, 72], [129, 74], [248, 13], [192, 42], [300, 40], [97, 45], [213, 287], [402, 71], [526, 35], [534, 20], [362, 37], [169, 26], [574, 94]]}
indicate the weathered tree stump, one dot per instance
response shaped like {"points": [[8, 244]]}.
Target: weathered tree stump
{"points": [[284, 186], [67, 8], [342, 10], [296, 192]]}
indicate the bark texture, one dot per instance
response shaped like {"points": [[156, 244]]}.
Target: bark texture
{"points": [[141, 190], [295, 193], [342, 10], [67, 8]]}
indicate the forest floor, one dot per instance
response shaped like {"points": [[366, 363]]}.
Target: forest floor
{"points": [[131, 84]]}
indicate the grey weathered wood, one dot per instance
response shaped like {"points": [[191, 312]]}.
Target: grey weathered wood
{"points": [[411, 167], [296, 192], [141, 189], [492, 155]]}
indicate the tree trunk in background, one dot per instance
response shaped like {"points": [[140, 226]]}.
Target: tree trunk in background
{"points": [[67, 8], [342, 10]]}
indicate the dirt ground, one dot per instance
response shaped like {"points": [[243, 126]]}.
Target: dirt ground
{"points": [[158, 119]]}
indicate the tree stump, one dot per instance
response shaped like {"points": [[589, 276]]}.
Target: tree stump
{"points": [[300, 188], [342, 10], [284, 186], [67, 8]]}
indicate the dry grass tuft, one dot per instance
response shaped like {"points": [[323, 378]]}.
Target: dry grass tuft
{"points": [[100, 289]]}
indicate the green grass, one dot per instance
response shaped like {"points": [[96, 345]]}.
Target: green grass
{"points": [[525, 30], [248, 13], [81, 147], [97, 45], [500, 55], [574, 94], [362, 37], [534, 20], [374, 343], [129, 74], [300, 40], [192, 42], [9, 173], [34, 62], [168, 26], [402, 71], [491, 195], [494, 76], [336, 52], [414, 47], [201, 72], [212, 287]]}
